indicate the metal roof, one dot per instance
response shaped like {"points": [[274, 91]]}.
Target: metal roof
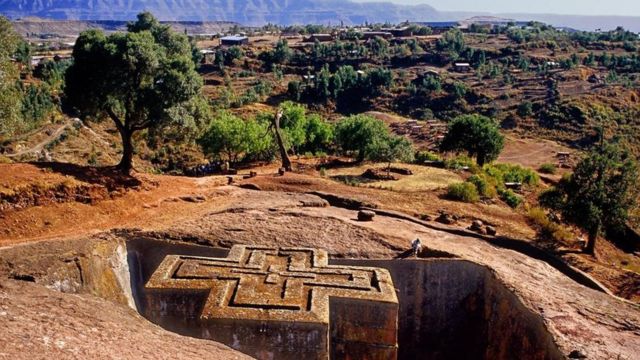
{"points": [[235, 38]]}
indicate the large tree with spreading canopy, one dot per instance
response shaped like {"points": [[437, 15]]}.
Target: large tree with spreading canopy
{"points": [[139, 79]]}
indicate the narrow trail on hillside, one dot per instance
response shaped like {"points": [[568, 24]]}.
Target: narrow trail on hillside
{"points": [[41, 145]]}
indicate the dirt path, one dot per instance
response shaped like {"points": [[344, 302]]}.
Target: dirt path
{"points": [[531, 152], [41, 145], [163, 200]]}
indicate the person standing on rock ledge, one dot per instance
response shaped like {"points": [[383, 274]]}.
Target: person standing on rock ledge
{"points": [[416, 246]]}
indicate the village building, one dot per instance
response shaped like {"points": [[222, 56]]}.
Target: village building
{"points": [[399, 32], [439, 27], [462, 67], [319, 38], [235, 40], [374, 34], [208, 56]]}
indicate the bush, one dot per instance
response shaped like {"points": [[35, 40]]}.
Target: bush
{"points": [[423, 156], [484, 186], [509, 173], [552, 198], [510, 198], [548, 228], [460, 162], [547, 168], [525, 109], [465, 192]]}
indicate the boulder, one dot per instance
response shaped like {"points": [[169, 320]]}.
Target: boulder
{"points": [[445, 218], [375, 174], [577, 354], [476, 225], [401, 171], [250, 186], [366, 215], [491, 230]]}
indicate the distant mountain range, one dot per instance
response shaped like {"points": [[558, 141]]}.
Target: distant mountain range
{"points": [[283, 12], [248, 12]]}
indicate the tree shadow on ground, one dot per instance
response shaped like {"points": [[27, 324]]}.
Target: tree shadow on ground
{"points": [[109, 177]]}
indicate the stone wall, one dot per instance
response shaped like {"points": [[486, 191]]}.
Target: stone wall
{"points": [[455, 309]]}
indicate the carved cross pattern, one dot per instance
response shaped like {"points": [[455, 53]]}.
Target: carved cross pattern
{"points": [[261, 283]]}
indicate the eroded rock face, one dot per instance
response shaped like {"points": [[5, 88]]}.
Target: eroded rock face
{"points": [[277, 303], [40, 323]]}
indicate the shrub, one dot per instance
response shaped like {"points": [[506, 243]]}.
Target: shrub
{"points": [[423, 156], [509, 173], [484, 186], [465, 192], [510, 198], [546, 227], [460, 162], [547, 168], [552, 198], [525, 109]]}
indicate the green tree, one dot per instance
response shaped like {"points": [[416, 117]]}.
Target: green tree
{"points": [[36, 104], [525, 109], [293, 124], [458, 90], [430, 84], [319, 134], [135, 78], [390, 149], [478, 135], [23, 55], [451, 40], [323, 84], [53, 72], [600, 194], [281, 53], [377, 81], [232, 54], [302, 132], [232, 138], [294, 90], [10, 96], [379, 47], [357, 132]]}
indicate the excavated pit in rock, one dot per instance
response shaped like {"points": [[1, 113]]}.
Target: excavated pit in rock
{"points": [[448, 308]]}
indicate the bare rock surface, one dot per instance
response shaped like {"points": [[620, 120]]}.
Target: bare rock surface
{"points": [[38, 323], [596, 324], [35, 320]]}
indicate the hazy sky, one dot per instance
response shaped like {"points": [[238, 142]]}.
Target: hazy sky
{"points": [[577, 7]]}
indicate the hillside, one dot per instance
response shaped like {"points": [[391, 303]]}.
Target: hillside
{"points": [[249, 12]]}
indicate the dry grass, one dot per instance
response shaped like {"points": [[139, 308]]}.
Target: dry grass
{"points": [[549, 229], [423, 178]]}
